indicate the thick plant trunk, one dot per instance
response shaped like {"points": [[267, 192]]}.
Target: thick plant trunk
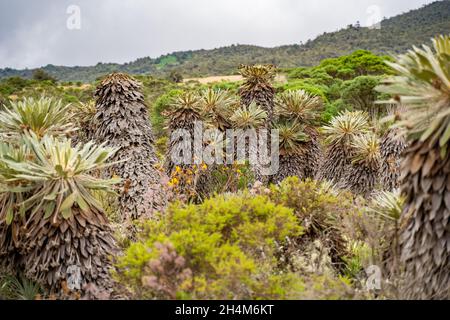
{"points": [[9, 255], [391, 149], [178, 145], [335, 163], [205, 181], [425, 225], [122, 121], [263, 96], [303, 165], [290, 166], [360, 179], [313, 155], [78, 250]]}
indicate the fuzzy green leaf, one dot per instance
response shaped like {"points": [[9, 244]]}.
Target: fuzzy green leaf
{"points": [[66, 214], [49, 209], [69, 201], [445, 137], [9, 216]]}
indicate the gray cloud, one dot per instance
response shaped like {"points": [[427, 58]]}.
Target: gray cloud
{"points": [[34, 33]]}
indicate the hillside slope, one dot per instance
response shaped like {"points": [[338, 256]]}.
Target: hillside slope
{"points": [[397, 34]]}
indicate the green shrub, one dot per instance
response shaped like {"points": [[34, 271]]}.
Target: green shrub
{"points": [[70, 99], [282, 242], [231, 178], [41, 75], [320, 210], [161, 146], [304, 85], [313, 75], [160, 105], [333, 92], [332, 109], [13, 85], [227, 245], [360, 62], [18, 288], [361, 94], [226, 85], [296, 73]]}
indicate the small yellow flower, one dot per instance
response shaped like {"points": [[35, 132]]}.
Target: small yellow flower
{"points": [[177, 169], [174, 181], [204, 167]]}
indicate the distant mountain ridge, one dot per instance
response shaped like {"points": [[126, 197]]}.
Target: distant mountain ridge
{"points": [[396, 35]]}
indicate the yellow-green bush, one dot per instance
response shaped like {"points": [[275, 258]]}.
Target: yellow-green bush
{"points": [[225, 246], [281, 242]]}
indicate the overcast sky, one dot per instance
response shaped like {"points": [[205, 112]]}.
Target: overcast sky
{"points": [[37, 33]]}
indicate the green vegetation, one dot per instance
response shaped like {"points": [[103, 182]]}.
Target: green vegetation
{"points": [[347, 82], [41, 75], [222, 242], [242, 246], [359, 63], [162, 104], [175, 76], [17, 88], [396, 35], [18, 288], [46, 197], [422, 86], [165, 61], [223, 231]]}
